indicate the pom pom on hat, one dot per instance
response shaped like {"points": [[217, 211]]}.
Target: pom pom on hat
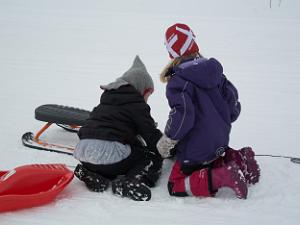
{"points": [[180, 41]]}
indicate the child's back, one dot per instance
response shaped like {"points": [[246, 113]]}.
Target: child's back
{"points": [[110, 143]]}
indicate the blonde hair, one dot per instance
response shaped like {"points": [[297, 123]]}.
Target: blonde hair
{"points": [[165, 76]]}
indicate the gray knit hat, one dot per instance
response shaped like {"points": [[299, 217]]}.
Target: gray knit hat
{"points": [[137, 76]]}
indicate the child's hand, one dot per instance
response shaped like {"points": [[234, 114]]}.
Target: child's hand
{"points": [[164, 145]]}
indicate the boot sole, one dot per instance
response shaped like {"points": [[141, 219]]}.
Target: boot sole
{"points": [[94, 182], [253, 171], [134, 190], [240, 186]]}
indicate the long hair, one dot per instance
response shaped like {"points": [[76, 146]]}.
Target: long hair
{"points": [[165, 75]]}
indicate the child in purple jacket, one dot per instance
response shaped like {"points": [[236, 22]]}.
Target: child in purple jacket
{"points": [[203, 105]]}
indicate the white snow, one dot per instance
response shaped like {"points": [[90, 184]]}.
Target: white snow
{"points": [[60, 51]]}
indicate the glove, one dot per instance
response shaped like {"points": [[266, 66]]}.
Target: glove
{"points": [[164, 145]]}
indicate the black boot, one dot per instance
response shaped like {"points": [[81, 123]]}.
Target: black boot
{"points": [[93, 181], [147, 170], [131, 188]]}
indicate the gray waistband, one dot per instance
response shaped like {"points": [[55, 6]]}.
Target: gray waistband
{"points": [[101, 152]]}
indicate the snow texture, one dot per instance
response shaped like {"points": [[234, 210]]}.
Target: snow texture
{"points": [[60, 51]]}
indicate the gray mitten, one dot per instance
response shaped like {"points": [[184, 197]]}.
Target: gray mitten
{"points": [[164, 145]]}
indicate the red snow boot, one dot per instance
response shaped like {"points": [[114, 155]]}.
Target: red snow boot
{"points": [[244, 158], [229, 176], [206, 182]]}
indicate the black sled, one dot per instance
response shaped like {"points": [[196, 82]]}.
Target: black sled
{"points": [[68, 118]]}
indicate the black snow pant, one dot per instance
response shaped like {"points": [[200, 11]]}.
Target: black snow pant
{"points": [[142, 164]]}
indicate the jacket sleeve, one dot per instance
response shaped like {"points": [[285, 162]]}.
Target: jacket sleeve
{"points": [[182, 113], [230, 93], [146, 127]]}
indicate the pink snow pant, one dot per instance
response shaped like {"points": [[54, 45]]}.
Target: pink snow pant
{"points": [[196, 184]]}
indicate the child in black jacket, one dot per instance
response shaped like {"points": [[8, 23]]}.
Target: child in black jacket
{"points": [[119, 138]]}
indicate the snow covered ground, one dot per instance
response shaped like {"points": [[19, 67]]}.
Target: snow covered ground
{"points": [[60, 51]]}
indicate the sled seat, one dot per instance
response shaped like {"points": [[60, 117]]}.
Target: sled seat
{"points": [[59, 114], [66, 117]]}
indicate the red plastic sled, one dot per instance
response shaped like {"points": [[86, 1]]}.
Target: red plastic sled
{"points": [[32, 185]]}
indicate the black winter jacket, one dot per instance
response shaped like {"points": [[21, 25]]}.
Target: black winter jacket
{"points": [[121, 115]]}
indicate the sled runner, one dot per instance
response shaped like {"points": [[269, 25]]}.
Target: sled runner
{"points": [[69, 118], [32, 185]]}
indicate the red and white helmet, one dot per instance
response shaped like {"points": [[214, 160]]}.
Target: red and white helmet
{"points": [[180, 41]]}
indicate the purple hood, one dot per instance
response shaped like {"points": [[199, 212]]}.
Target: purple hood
{"points": [[202, 72]]}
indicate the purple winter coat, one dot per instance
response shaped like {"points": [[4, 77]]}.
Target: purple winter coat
{"points": [[203, 105]]}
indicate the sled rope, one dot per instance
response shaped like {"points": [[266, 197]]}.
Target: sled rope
{"points": [[292, 159]]}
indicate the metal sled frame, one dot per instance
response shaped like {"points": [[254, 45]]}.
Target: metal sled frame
{"points": [[36, 137], [68, 118]]}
